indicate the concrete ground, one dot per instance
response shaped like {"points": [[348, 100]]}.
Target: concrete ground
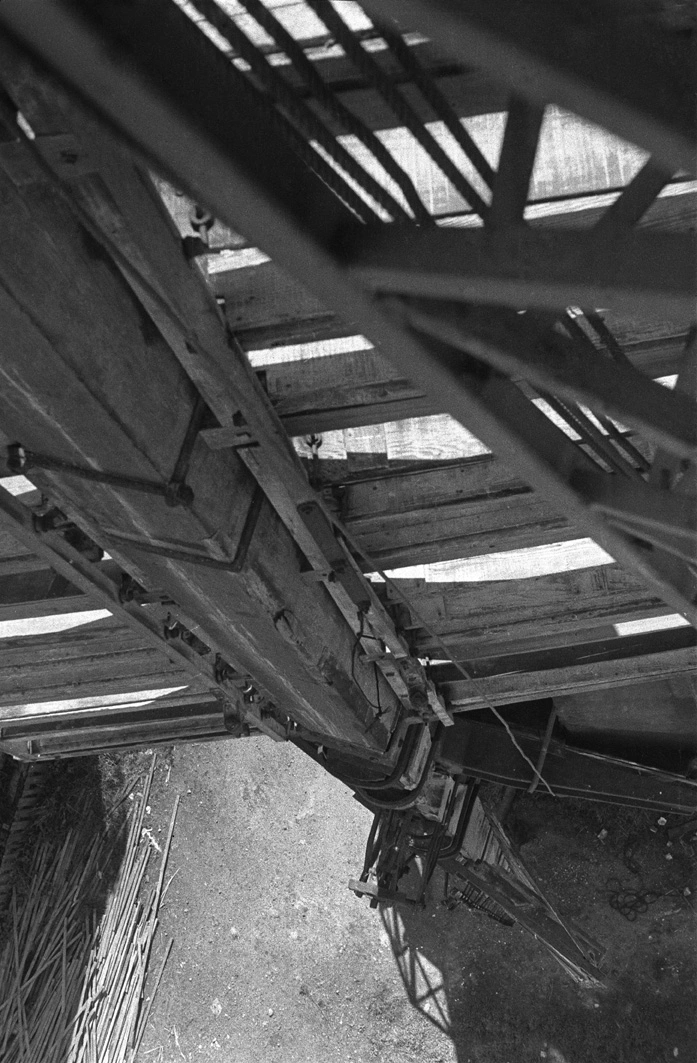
{"points": [[274, 959]]}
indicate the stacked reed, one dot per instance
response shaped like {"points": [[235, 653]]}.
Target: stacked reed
{"points": [[73, 970]]}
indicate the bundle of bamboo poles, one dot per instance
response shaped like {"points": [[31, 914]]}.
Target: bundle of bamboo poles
{"points": [[72, 979]]}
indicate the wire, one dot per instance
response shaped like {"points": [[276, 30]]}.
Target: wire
{"points": [[362, 635], [446, 652]]}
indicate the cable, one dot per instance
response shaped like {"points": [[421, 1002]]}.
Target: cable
{"points": [[361, 635], [405, 799], [444, 649]]}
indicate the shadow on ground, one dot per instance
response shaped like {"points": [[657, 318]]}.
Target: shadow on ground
{"points": [[502, 999]]}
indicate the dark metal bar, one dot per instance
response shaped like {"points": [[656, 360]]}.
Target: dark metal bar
{"points": [[21, 460], [331, 102], [633, 76], [526, 267], [507, 342], [392, 96], [516, 162], [481, 750]]}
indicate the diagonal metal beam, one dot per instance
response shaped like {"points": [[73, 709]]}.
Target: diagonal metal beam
{"points": [[516, 162], [506, 342], [642, 271], [598, 59], [177, 123]]}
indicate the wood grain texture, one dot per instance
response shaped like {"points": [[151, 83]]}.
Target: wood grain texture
{"points": [[476, 617], [90, 412]]}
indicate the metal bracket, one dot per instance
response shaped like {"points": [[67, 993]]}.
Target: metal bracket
{"points": [[20, 460], [180, 552]]}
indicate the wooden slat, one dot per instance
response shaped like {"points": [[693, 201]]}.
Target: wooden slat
{"points": [[580, 679], [478, 617], [132, 668], [103, 638], [94, 685], [316, 395], [454, 511]]}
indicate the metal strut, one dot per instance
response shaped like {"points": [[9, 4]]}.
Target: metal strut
{"points": [[20, 461]]}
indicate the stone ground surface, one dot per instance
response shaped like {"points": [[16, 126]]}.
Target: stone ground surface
{"points": [[274, 959]]}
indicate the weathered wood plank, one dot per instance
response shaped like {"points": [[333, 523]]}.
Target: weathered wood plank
{"points": [[102, 638], [482, 616], [90, 740], [461, 530], [67, 678], [39, 593], [611, 647], [315, 395], [14, 566], [32, 719], [94, 685], [454, 511], [579, 679], [49, 608], [50, 680]]}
